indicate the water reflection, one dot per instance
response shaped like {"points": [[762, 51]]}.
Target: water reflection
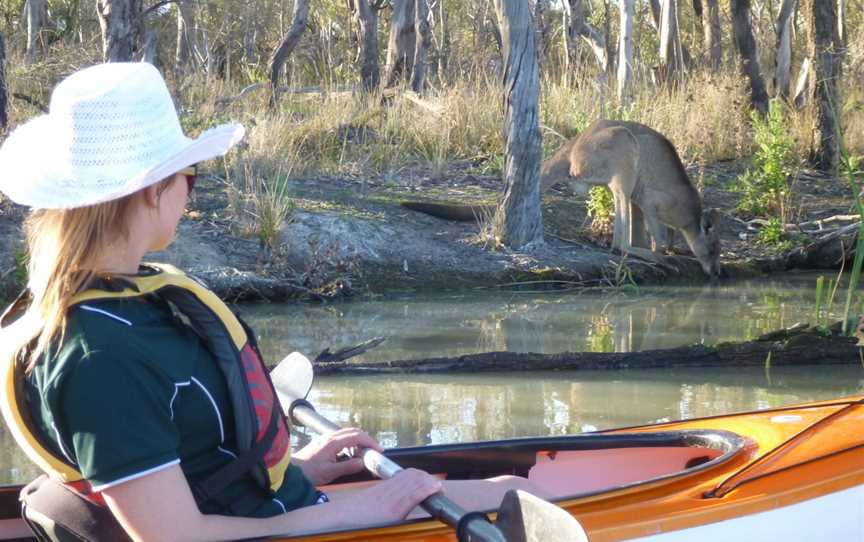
{"points": [[448, 325], [412, 410], [421, 409]]}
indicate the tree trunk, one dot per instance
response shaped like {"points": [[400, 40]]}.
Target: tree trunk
{"points": [[367, 22], [656, 8], [713, 34], [541, 7], [625, 50], [444, 50], [793, 346], [824, 42], [185, 34], [803, 84], [4, 97], [400, 46], [421, 50], [671, 56], [783, 61], [579, 27], [118, 21], [841, 24], [36, 11], [280, 56], [151, 44], [518, 222], [746, 45], [697, 9]]}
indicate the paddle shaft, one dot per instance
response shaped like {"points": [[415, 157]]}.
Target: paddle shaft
{"points": [[437, 505]]}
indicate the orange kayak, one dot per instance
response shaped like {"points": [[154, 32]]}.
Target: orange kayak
{"points": [[791, 473]]}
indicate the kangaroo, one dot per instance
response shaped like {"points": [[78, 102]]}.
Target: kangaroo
{"points": [[651, 190]]}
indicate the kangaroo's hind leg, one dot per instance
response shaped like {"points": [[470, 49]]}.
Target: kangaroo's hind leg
{"points": [[662, 235]]}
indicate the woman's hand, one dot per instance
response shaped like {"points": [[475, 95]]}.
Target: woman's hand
{"points": [[319, 462], [393, 499]]}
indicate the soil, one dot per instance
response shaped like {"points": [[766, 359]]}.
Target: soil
{"points": [[350, 235]]}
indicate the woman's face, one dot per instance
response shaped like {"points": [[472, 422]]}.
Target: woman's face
{"points": [[172, 202]]}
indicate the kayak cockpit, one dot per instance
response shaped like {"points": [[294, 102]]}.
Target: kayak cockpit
{"points": [[568, 466]]}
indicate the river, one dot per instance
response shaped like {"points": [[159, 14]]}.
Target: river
{"points": [[418, 409]]}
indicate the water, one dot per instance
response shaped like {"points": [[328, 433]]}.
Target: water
{"points": [[416, 409]]}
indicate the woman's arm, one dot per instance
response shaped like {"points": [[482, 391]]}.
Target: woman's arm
{"points": [[160, 507]]}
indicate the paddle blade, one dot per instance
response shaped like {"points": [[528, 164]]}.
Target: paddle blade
{"points": [[526, 518], [292, 378]]}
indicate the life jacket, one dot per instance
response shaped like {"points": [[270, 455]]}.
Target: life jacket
{"points": [[263, 439]]}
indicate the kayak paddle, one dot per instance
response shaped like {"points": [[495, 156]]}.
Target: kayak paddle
{"points": [[522, 516]]}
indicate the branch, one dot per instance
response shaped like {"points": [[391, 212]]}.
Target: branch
{"points": [[156, 6], [32, 101], [340, 355]]}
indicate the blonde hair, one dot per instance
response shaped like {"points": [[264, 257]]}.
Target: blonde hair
{"points": [[63, 248]]}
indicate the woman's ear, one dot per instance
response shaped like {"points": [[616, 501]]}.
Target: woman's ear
{"points": [[151, 195]]}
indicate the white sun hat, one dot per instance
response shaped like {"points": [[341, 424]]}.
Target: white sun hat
{"points": [[112, 130]]}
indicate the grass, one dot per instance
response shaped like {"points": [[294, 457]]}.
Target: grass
{"points": [[354, 135]]}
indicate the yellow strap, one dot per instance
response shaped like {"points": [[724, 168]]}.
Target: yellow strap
{"points": [[35, 451], [171, 276]]}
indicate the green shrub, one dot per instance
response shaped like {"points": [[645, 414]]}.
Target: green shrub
{"points": [[773, 236], [601, 208], [765, 189]]}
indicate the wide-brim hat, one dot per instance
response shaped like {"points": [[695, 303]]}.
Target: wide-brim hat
{"points": [[111, 130]]}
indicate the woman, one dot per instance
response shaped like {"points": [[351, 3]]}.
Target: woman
{"points": [[134, 385]]}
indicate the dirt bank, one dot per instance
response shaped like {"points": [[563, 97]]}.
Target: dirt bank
{"points": [[351, 235]]}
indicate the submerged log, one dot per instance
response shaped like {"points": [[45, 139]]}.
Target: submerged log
{"points": [[799, 345]]}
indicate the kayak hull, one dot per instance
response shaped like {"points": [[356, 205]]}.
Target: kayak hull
{"points": [[791, 473]]}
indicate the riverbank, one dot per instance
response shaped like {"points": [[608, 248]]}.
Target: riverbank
{"points": [[348, 235]]}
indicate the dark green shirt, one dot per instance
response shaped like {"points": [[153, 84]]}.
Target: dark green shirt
{"points": [[131, 391]]}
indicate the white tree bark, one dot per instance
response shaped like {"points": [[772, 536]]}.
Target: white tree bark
{"points": [[518, 222], [783, 66], [185, 34], [421, 49], [35, 10], [4, 120], [625, 50], [671, 56], [713, 34], [118, 21], [803, 84], [286, 46], [402, 42], [580, 27]]}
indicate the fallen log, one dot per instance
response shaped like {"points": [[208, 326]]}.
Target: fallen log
{"points": [[799, 345]]}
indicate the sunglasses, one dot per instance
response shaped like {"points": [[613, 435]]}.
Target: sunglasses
{"points": [[191, 174]]}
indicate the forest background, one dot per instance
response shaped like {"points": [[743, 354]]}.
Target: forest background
{"points": [[376, 90]]}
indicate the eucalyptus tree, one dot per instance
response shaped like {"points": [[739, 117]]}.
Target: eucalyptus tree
{"points": [[287, 45], [713, 34], [421, 50], [120, 24], [783, 58], [625, 49], [366, 15], [186, 35], [401, 43], [671, 53], [4, 96], [745, 43], [36, 13], [824, 42], [580, 28], [518, 222]]}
